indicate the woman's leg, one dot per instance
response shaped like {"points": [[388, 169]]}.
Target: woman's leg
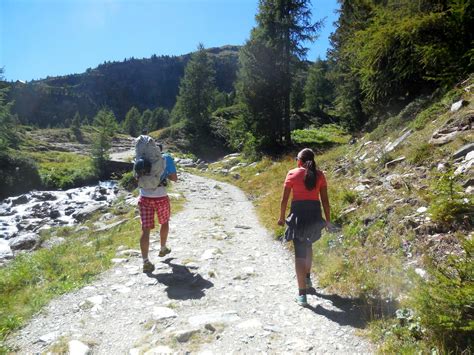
{"points": [[309, 258], [300, 263]]}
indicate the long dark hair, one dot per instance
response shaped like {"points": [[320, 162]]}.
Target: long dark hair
{"points": [[306, 156]]}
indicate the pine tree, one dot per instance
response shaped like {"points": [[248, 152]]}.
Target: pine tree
{"points": [[196, 91], [160, 118], [76, 127], [147, 118], [283, 26], [8, 122], [318, 89], [132, 124], [105, 125]]}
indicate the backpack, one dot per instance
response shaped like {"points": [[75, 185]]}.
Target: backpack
{"points": [[148, 153]]}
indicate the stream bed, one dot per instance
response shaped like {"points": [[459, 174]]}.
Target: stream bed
{"points": [[23, 217]]}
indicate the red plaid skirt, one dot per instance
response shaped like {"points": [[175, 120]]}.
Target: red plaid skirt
{"points": [[148, 206]]}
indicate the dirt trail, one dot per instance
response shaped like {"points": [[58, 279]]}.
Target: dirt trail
{"points": [[227, 287]]}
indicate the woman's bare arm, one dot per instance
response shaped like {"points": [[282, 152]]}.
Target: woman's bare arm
{"points": [[283, 205], [325, 202]]}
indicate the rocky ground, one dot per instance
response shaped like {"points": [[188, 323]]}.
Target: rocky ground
{"points": [[227, 287]]}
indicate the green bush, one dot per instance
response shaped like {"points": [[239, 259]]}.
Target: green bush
{"points": [[421, 154], [326, 134], [64, 170], [445, 301], [429, 114], [448, 204], [18, 174], [436, 109], [350, 196], [128, 181], [64, 178]]}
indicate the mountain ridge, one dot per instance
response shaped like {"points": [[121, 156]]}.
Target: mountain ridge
{"points": [[144, 83]]}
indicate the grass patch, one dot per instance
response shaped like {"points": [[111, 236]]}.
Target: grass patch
{"points": [[324, 135], [31, 280], [64, 170]]}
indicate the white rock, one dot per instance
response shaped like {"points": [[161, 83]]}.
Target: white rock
{"points": [[151, 282], [210, 253], [465, 166], [251, 323], [420, 272], [422, 210], [120, 288], [78, 348], [160, 313], [392, 146], [221, 317], [441, 167], [456, 106], [160, 350], [438, 139], [49, 338], [233, 155], [242, 226], [134, 351], [129, 252], [119, 260], [360, 188], [248, 270], [469, 156], [96, 300], [106, 217]]}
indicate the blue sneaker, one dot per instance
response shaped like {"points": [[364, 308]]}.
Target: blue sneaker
{"points": [[301, 300]]}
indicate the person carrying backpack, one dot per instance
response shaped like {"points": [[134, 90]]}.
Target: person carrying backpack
{"points": [[152, 170], [305, 222]]}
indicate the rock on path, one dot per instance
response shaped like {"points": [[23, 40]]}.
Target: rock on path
{"points": [[226, 287]]}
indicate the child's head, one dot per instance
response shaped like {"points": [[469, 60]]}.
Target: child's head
{"points": [[304, 156]]}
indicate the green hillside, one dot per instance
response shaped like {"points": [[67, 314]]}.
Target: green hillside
{"points": [[143, 83]]}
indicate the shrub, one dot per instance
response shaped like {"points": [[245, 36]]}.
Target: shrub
{"points": [[421, 154], [349, 196], [448, 204], [435, 109], [128, 181], [444, 302], [18, 174], [64, 170], [326, 134]]}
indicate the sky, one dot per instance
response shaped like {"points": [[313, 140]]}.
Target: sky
{"points": [[40, 38]]}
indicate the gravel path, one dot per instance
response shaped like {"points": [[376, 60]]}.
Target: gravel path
{"points": [[227, 287]]}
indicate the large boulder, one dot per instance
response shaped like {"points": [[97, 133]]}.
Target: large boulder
{"points": [[463, 151], [86, 212], [27, 241]]}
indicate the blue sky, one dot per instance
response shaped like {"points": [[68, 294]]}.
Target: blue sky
{"points": [[56, 37]]}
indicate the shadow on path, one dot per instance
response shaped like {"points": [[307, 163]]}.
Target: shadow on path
{"points": [[354, 312], [182, 284]]}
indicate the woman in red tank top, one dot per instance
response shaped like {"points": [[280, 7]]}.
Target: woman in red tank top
{"points": [[305, 222]]}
